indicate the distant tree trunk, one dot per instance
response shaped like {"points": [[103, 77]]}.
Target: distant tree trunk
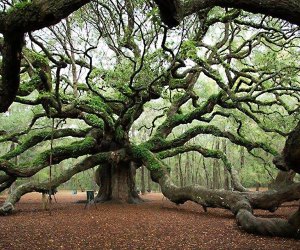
{"points": [[149, 181], [143, 188], [181, 181], [235, 180], [206, 173], [283, 179], [117, 183], [188, 170], [226, 174], [216, 170], [194, 169]]}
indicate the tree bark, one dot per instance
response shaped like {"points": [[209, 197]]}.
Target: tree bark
{"points": [[241, 204], [143, 186], [116, 182], [173, 11], [10, 71], [283, 179], [225, 170]]}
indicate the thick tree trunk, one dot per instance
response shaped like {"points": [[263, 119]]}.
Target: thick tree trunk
{"points": [[117, 183], [149, 181], [290, 156], [10, 69]]}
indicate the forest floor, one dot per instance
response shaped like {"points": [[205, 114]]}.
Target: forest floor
{"points": [[155, 224]]}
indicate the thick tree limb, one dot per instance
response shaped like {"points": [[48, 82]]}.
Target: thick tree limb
{"points": [[74, 150], [172, 11], [37, 15], [10, 72], [36, 138], [239, 203], [87, 163], [13, 25]]}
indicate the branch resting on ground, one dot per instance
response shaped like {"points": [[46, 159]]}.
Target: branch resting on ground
{"points": [[241, 204]]}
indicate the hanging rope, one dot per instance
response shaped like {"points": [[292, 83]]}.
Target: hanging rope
{"points": [[50, 165]]}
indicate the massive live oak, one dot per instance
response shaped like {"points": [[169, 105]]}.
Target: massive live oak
{"points": [[110, 71]]}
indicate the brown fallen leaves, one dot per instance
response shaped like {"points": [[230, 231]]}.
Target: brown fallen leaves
{"points": [[155, 224]]}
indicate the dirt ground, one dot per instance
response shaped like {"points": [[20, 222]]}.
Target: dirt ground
{"points": [[155, 224]]}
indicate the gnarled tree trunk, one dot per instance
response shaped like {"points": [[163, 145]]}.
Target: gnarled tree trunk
{"points": [[116, 182]]}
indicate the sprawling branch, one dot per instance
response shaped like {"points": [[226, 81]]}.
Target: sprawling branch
{"points": [[14, 24], [36, 138], [173, 11], [157, 144], [87, 163], [37, 15], [240, 204], [74, 150]]}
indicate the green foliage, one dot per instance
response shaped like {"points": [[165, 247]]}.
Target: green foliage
{"points": [[21, 5], [189, 49], [142, 153], [224, 95], [95, 121]]}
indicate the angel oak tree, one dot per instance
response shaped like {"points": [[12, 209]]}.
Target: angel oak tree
{"points": [[111, 68]]}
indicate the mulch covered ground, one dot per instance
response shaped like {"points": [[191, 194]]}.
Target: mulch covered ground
{"points": [[155, 224]]}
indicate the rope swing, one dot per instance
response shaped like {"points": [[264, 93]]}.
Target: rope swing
{"points": [[47, 202], [50, 166]]}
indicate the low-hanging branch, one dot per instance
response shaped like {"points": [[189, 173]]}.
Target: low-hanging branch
{"points": [[73, 150], [158, 144], [36, 138], [88, 163]]}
